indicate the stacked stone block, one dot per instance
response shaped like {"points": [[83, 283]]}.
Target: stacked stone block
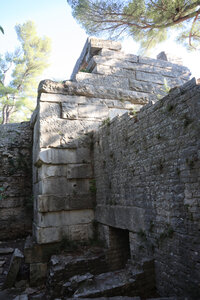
{"points": [[105, 83]]}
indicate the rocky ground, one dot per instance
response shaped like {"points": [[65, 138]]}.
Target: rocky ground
{"points": [[14, 277]]}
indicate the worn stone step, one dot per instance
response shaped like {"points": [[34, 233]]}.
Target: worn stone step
{"points": [[117, 283]]}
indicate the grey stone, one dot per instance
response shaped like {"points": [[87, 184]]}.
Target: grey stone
{"points": [[102, 80], [45, 203], [13, 269], [38, 272], [6, 250]]}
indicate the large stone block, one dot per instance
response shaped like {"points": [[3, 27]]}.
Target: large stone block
{"points": [[50, 234], [65, 218], [47, 203], [79, 171], [131, 218], [63, 133], [149, 77], [75, 88], [62, 186], [69, 110], [109, 70], [93, 111], [81, 232], [71, 171], [96, 79], [118, 55], [63, 156], [49, 110]]}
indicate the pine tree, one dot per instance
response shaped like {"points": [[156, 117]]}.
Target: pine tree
{"points": [[23, 66], [149, 22]]}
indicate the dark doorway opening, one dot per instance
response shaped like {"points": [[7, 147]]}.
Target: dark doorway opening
{"points": [[119, 247]]}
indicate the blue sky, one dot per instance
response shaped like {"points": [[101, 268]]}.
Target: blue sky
{"points": [[54, 19]]}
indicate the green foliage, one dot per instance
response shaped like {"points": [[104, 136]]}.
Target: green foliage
{"points": [[106, 122], [24, 65], [149, 22]]}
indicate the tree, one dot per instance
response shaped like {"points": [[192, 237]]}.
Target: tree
{"points": [[1, 29], [22, 67], [148, 21]]}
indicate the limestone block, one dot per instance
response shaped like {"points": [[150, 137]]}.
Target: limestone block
{"points": [[118, 55], [74, 88], [62, 186], [93, 111], [143, 76], [131, 218], [64, 133], [38, 273], [46, 171], [112, 62], [50, 234], [79, 171], [80, 232], [63, 156], [109, 70], [161, 63], [96, 79], [140, 86], [49, 110], [65, 218], [69, 111], [46, 203], [116, 112], [98, 43], [13, 269]]}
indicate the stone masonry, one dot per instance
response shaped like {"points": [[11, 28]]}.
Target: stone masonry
{"points": [[16, 202], [115, 151], [147, 175], [105, 83]]}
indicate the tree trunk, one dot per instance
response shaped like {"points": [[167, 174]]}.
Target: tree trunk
{"points": [[6, 113]]}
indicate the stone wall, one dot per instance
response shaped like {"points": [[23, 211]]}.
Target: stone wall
{"points": [[106, 83], [146, 167], [16, 200]]}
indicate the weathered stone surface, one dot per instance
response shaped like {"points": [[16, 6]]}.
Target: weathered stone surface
{"points": [[146, 171], [118, 54], [47, 235], [63, 156], [131, 218], [109, 70], [102, 80], [73, 88], [38, 273], [79, 171], [6, 250], [93, 111], [69, 111], [45, 203], [64, 218], [62, 186], [15, 179], [92, 47], [13, 269]]}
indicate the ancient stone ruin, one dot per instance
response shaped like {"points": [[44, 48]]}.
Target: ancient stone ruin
{"points": [[114, 158]]}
